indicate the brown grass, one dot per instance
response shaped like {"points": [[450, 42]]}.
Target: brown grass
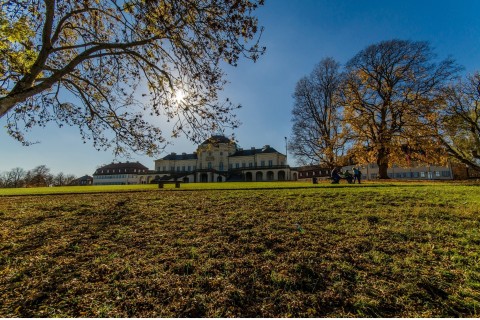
{"points": [[350, 252]]}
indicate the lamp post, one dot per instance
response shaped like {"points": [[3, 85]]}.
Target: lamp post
{"points": [[286, 159]]}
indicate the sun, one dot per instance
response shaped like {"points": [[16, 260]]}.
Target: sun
{"points": [[179, 95]]}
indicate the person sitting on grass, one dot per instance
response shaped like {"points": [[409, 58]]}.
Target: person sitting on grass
{"points": [[348, 176], [335, 176]]}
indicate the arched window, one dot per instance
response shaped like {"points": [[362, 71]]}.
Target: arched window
{"points": [[270, 176]]}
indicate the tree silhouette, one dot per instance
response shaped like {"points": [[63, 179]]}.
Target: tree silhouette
{"points": [[318, 134], [87, 64]]}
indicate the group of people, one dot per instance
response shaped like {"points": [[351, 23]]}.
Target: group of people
{"points": [[337, 174]]}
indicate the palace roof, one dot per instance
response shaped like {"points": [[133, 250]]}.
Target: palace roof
{"points": [[183, 156], [121, 167], [254, 151]]}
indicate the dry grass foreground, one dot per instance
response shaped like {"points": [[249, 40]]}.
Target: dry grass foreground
{"points": [[398, 251]]}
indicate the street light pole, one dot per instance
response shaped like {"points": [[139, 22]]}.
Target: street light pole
{"points": [[286, 160]]}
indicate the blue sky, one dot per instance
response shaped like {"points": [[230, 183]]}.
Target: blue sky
{"points": [[298, 34]]}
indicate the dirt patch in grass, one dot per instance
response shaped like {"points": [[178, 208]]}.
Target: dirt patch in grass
{"points": [[353, 252]]}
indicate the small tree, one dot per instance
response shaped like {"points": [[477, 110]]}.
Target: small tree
{"points": [[15, 177], [3, 180], [69, 178], [87, 64], [59, 179], [390, 92], [318, 134], [39, 177]]}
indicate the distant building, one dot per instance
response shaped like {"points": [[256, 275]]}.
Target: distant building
{"points": [[219, 159], [418, 171], [82, 181], [119, 173], [307, 173]]}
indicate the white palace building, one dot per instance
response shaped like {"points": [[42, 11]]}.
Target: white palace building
{"points": [[219, 159]]}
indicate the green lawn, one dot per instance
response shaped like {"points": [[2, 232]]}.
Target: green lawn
{"points": [[269, 250], [73, 189], [208, 186], [146, 187]]}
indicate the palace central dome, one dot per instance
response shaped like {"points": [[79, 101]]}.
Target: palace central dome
{"points": [[216, 139]]}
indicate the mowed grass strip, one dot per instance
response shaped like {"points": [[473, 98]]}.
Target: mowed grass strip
{"points": [[75, 189], [147, 187], [390, 251], [325, 183]]}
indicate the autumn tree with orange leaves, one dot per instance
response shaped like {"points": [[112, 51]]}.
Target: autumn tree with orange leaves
{"points": [[457, 122], [391, 91]]}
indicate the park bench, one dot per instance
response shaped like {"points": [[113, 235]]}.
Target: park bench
{"points": [[161, 183]]}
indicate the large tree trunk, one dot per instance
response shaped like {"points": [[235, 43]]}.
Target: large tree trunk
{"points": [[382, 162]]}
